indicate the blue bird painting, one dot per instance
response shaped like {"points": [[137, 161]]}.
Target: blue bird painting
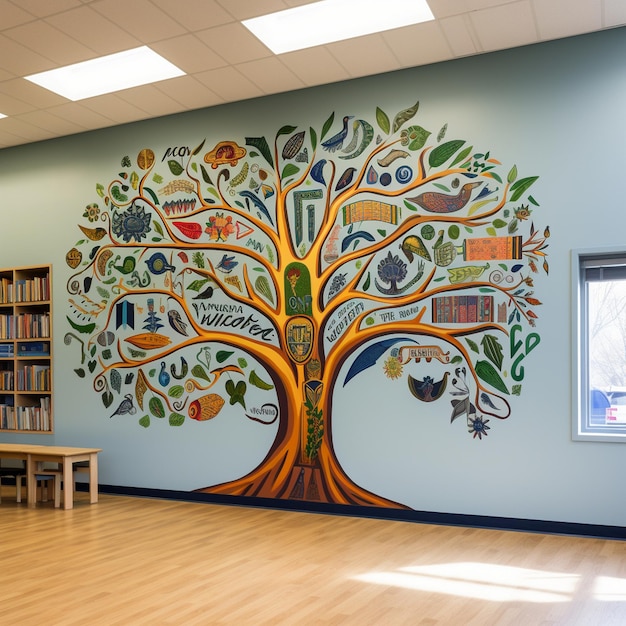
{"points": [[227, 264], [336, 141]]}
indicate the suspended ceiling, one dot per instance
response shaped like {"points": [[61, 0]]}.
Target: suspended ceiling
{"points": [[225, 63]]}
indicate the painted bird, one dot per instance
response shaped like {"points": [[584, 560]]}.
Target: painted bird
{"points": [[437, 202], [126, 406], [336, 141], [227, 264], [176, 322]]}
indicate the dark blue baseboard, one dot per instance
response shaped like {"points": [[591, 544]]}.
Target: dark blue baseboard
{"points": [[404, 515]]}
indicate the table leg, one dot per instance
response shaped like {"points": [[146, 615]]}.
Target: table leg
{"points": [[68, 483], [93, 478], [32, 481]]}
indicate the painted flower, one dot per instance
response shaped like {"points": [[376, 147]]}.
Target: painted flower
{"points": [[393, 367], [92, 212], [392, 270], [337, 284], [522, 213], [478, 427], [133, 223]]}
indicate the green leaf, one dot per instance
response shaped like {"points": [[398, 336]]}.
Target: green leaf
{"points": [[144, 421], [285, 130], [487, 372], [116, 380], [107, 399], [443, 152], [382, 232], [198, 372], [158, 228], [327, 124], [175, 167], [82, 328], [512, 175], [205, 175], [156, 407], [242, 363], [176, 391], [176, 419], [196, 150], [418, 137], [260, 143], [493, 350], [366, 284], [80, 372], [472, 344], [410, 207], [495, 176], [383, 120], [499, 223], [461, 156], [491, 231], [519, 188], [196, 285], [404, 116], [222, 355], [456, 359], [313, 136], [289, 170], [533, 201]]}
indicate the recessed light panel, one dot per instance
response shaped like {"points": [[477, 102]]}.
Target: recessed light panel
{"points": [[114, 72], [323, 22]]}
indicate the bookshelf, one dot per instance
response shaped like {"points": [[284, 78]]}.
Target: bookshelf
{"points": [[26, 349]]}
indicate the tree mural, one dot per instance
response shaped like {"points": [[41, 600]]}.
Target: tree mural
{"points": [[246, 273]]}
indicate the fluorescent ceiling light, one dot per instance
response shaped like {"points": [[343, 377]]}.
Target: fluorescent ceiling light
{"points": [[113, 72], [2, 115], [323, 22]]}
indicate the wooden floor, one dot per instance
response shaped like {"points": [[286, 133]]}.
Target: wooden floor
{"points": [[128, 561]]}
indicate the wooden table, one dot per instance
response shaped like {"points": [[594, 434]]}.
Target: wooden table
{"points": [[65, 456]]}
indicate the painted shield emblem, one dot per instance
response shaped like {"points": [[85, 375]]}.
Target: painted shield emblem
{"points": [[299, 333]]}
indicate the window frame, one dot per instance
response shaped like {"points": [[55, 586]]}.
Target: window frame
{"points": [[583, 263]]}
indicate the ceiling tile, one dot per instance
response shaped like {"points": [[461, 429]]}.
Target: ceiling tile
{"points": [[118, 110], [24, 129], [19, 60], [458, 32], [148, 98], [505, 26], [363, 56], [93, 30], [229, 84], [12, 15], [41, 8], [50, 42], [244, 9], [270, 75], [34, 95], [315, 66], [234, 42], [614, 12], [195, 14], [556, 19], [140, 18], [52, 123], [418, 44], [190, 92], [13, 106], [189, 54], [448, 8], [81, 115]]}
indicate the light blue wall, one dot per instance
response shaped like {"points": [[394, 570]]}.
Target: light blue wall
{"points": [[556, 110]]}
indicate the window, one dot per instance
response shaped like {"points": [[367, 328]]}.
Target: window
{"points": [[599, 326]]}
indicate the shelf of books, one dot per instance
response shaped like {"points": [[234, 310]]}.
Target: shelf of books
{"points": [[26, 350]]}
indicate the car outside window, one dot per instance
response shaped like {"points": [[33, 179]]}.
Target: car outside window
{"points": [[599, 323]]}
